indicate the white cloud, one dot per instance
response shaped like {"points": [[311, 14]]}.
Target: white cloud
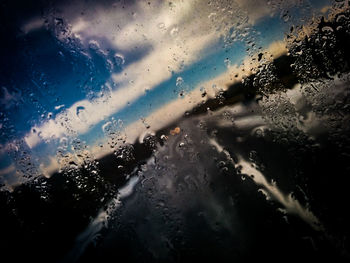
{"points": [[176, 34], [48, 170], [7, 170], [33, 24], [177, 108], [174, 110], [148, 27]]}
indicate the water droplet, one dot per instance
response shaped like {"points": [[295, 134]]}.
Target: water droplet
{"points": [[174, 31], [161, 25], [79, 110], [118, 60], [175, 131], [179, 81], [227, 62], [94, 45], [285, 16], [327, 29]]}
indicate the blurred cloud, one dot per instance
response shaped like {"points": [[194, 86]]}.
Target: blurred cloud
{"points": [[33, 24], [175, 34], [7, 170], [161, 117], [174, 110], [177, 37]]}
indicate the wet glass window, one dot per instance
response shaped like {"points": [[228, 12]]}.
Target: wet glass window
{"points": [[174, 131]]}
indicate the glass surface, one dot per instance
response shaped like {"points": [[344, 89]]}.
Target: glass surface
{"points": [[174, 131]]}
